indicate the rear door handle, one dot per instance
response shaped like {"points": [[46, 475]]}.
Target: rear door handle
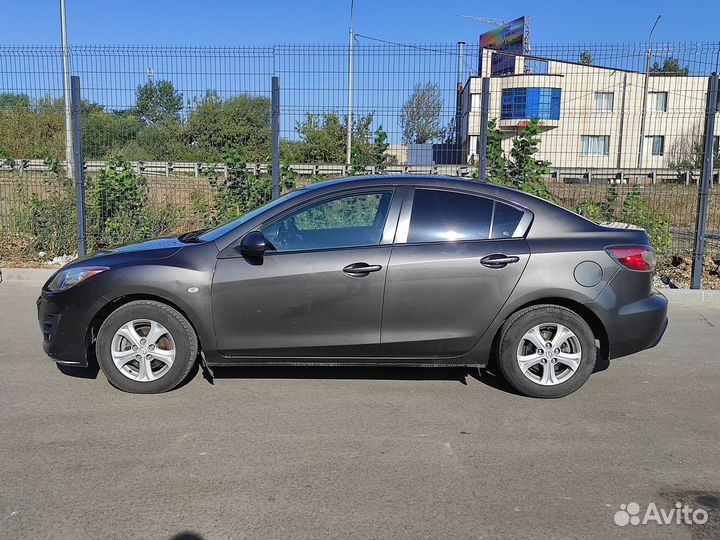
{"points": [[361, 269], [498, 260]]}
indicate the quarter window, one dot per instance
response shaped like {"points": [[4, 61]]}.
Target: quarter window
{"points": [[505, 221], [348, 221]]}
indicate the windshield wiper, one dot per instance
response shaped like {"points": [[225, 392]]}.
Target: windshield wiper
{"points": [[192, 237]]}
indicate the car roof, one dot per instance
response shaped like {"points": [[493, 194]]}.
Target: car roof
{"points": [[395, 179]]}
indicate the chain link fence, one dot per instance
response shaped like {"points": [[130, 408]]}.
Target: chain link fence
{"points": [[180, 138]]}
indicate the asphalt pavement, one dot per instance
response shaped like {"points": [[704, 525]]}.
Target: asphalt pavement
{"points": [[358, 452]]}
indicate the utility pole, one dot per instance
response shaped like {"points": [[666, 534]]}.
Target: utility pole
{"points": [[348, 156], [643, 113], [459, 92], [68, 98], [706, 179]]}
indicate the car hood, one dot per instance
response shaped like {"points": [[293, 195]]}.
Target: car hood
{"points": [[159, 248]]}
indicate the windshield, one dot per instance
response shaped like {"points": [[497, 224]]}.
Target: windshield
{"points": [[213, 234]]}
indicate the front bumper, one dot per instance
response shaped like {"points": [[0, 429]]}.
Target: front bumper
{"points": [[65, 318]]}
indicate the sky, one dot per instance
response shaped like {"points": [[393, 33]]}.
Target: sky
{"points": [[257, 23]]}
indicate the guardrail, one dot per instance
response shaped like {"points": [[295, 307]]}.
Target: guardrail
{"points": [[567, 175]]}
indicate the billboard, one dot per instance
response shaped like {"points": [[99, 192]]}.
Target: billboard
{"points": [[513, 38]]}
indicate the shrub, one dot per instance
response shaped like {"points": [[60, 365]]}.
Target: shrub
{"points": [[521, 170], [48, 216], [115, 201], [637, 212], [599, 211]]}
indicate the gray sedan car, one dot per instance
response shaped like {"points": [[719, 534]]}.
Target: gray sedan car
{"points": [[389, 270]]}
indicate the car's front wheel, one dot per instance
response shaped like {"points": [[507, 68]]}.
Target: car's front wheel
{"points": [[546, 351], [146, 347]]}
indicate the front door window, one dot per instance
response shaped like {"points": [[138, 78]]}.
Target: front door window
{"points": [[354, 220]]}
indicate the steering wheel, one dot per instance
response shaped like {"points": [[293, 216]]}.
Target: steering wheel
{"points": [[289, 236]]}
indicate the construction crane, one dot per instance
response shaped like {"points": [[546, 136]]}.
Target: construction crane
{"points": [[486, 20]]}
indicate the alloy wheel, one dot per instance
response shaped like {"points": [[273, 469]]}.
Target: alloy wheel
{"points": [[143, 350], [549, 354]]}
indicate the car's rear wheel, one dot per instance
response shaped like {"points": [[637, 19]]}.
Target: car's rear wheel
{"points": [[546, 351], [146, 347]]}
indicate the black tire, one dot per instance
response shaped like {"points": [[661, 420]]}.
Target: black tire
{"points": [[182, 333], [523, 321]]}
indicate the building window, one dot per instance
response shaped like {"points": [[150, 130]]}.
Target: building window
{"points": [[595, 145], [538, 67], [604, 101], [657, 102], [716, 146], [523, 103], [655, 145]]}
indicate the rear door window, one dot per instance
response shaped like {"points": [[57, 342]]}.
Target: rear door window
{"points": [[439, 216], [447, 216]]}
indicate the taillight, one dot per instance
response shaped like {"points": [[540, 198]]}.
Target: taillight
{"points": [[634, 257]]}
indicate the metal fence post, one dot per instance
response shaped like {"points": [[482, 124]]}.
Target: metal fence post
{"points": [[78, 163], [276, 136], [705, 184], [483, 139]]}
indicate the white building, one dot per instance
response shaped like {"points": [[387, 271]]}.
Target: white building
{"points": [[591, 117]]}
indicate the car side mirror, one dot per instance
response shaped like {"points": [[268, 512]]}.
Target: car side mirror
{"points": [[253, 245]]}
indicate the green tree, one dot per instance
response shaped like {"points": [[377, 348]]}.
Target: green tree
{"points": [[157, 102], [35, 131], [524, 171], [323, 139], [105, 133], [420, 116], [521, 169], [14, 102], [497, 164], [216, 127], [379, 151], [586, 58], [671, 66]]}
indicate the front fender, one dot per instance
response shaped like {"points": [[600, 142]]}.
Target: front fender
{"points": [[183, 280]]}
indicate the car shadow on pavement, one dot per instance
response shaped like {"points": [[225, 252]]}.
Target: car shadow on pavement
{"points": [[489, 377], [187, 536], [390, 373]]}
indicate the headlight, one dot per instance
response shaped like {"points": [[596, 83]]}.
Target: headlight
{"points": [[65, 279]]}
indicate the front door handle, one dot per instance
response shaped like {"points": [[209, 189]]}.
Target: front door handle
{"points": [[498, 260], [361, 269]]}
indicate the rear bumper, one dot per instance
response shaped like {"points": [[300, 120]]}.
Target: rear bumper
{"points": [[634, 326], [64, 319]]}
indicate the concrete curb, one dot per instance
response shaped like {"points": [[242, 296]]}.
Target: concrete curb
{"points": [[692, 296], [27, 275]]}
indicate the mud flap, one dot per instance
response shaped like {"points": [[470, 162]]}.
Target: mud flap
{"points": [[207, 370]]}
